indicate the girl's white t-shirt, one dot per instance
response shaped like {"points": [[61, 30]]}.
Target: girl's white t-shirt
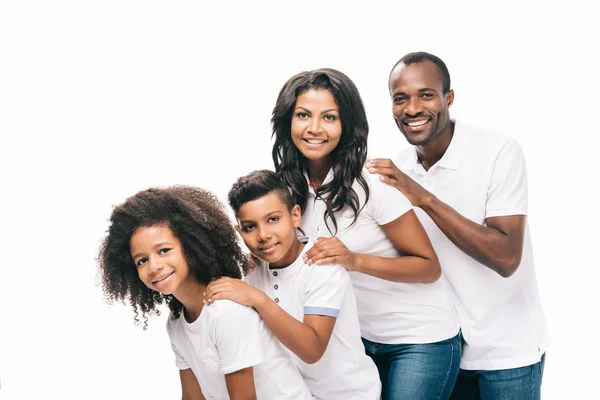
{"points": [[228, 337]]}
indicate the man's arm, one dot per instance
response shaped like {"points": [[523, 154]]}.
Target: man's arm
{"points": [[498, 245]]}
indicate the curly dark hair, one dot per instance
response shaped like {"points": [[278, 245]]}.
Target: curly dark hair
{"points": [[348, 157], [196, 217]]}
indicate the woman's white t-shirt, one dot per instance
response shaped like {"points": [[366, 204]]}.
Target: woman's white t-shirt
{"points": [[389, 312]]}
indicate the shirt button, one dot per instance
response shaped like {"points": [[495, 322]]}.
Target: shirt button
{"points": [[276, 287], [274, 273], [276, 300]]}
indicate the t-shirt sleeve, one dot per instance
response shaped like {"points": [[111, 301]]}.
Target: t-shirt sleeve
{"points": [[179, 360], [507, 194], [386, 203], [237, 333], [325, 290]]}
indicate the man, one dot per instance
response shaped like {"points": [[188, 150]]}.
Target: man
{"points": [[469, 187]]}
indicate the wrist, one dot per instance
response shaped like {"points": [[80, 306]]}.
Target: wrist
{"points": [[358, 264], [426, 202], [259, 300]]}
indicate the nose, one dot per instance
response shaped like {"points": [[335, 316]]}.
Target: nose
{"points": [[413, 106], [263, 234], [314, 126], [155, 264]]}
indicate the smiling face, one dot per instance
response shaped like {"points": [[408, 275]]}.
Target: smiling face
{"points": [[316, 125], [158, 256], [268, 229], [420, 107]]}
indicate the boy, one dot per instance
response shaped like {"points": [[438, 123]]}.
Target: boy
{"points": [[310, 309]]}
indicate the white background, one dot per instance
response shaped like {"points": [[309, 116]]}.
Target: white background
{"points": [[101, 99]]}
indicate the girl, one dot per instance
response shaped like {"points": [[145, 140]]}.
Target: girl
{"points": [[408, 324], [166, 245]]}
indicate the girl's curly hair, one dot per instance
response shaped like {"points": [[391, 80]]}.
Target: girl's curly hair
{"points": [[196, 217]]}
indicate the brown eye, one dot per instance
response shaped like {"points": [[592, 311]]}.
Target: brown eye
{"points": [[141, 262]]}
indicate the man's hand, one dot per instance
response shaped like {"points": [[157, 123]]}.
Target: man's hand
{"points": [[391, 175]]}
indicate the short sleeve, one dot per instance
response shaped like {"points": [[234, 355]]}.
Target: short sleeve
{"points": [[325, 291], [386, 203], [237, 333], [507, 194], [179, 360]]}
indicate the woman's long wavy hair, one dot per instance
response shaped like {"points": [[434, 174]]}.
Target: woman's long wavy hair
{"points": [[196, 218], [348, 157]]}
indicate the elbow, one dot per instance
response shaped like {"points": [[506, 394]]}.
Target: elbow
{"points": [[433, 270], [434, 273], [508, 267], [313, 357]]}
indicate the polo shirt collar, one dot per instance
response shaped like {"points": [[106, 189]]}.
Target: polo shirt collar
{"points": [[298, 263], [328, 179], [452, 157]]}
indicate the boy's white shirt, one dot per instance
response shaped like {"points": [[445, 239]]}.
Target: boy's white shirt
{"points": [[228, 337], [344, 371]]}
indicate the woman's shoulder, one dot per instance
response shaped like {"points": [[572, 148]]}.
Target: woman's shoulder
{"points": [[377, 188]]}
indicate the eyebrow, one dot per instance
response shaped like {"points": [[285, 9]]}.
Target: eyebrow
{"points": [[250, 221], [324, 112], [420, 91]]}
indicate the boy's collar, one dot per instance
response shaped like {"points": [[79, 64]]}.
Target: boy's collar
{"points": [[298, 261]]}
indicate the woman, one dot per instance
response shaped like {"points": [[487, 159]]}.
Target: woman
{"points": [[408, 322]]}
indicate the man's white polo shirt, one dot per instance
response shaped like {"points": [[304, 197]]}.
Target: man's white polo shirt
{"points": [[344, 372], [228, 337], [482, 175], [389, 312]]}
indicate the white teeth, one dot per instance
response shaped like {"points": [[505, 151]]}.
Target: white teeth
{"points": [[418, 123], [314, 141]]}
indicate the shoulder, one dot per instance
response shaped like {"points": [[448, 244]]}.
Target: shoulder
{"points": [[332, 274], [224, 311], [383, 195], [482, 140], [173, 324]]}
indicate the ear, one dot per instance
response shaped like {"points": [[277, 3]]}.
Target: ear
{"points": [[449, 98], [297, 216]]}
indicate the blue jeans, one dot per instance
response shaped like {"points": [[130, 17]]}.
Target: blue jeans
{"points": [[522, 383], [416, 371]]}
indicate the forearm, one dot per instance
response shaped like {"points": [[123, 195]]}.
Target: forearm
{"points": [[298, 337], [408, 269], [240, 384], [491, 247]]}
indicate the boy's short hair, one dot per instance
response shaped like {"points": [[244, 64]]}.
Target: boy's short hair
{"points": [[256, 185]]}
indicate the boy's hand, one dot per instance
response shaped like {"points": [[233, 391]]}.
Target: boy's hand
{"points": [[331, 251], [232, 289]]}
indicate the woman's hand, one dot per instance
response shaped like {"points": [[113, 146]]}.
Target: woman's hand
{"points": [[331, 251]]}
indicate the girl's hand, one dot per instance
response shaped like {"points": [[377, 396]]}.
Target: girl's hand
{"points": [[331, 251], [232, 289]]}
